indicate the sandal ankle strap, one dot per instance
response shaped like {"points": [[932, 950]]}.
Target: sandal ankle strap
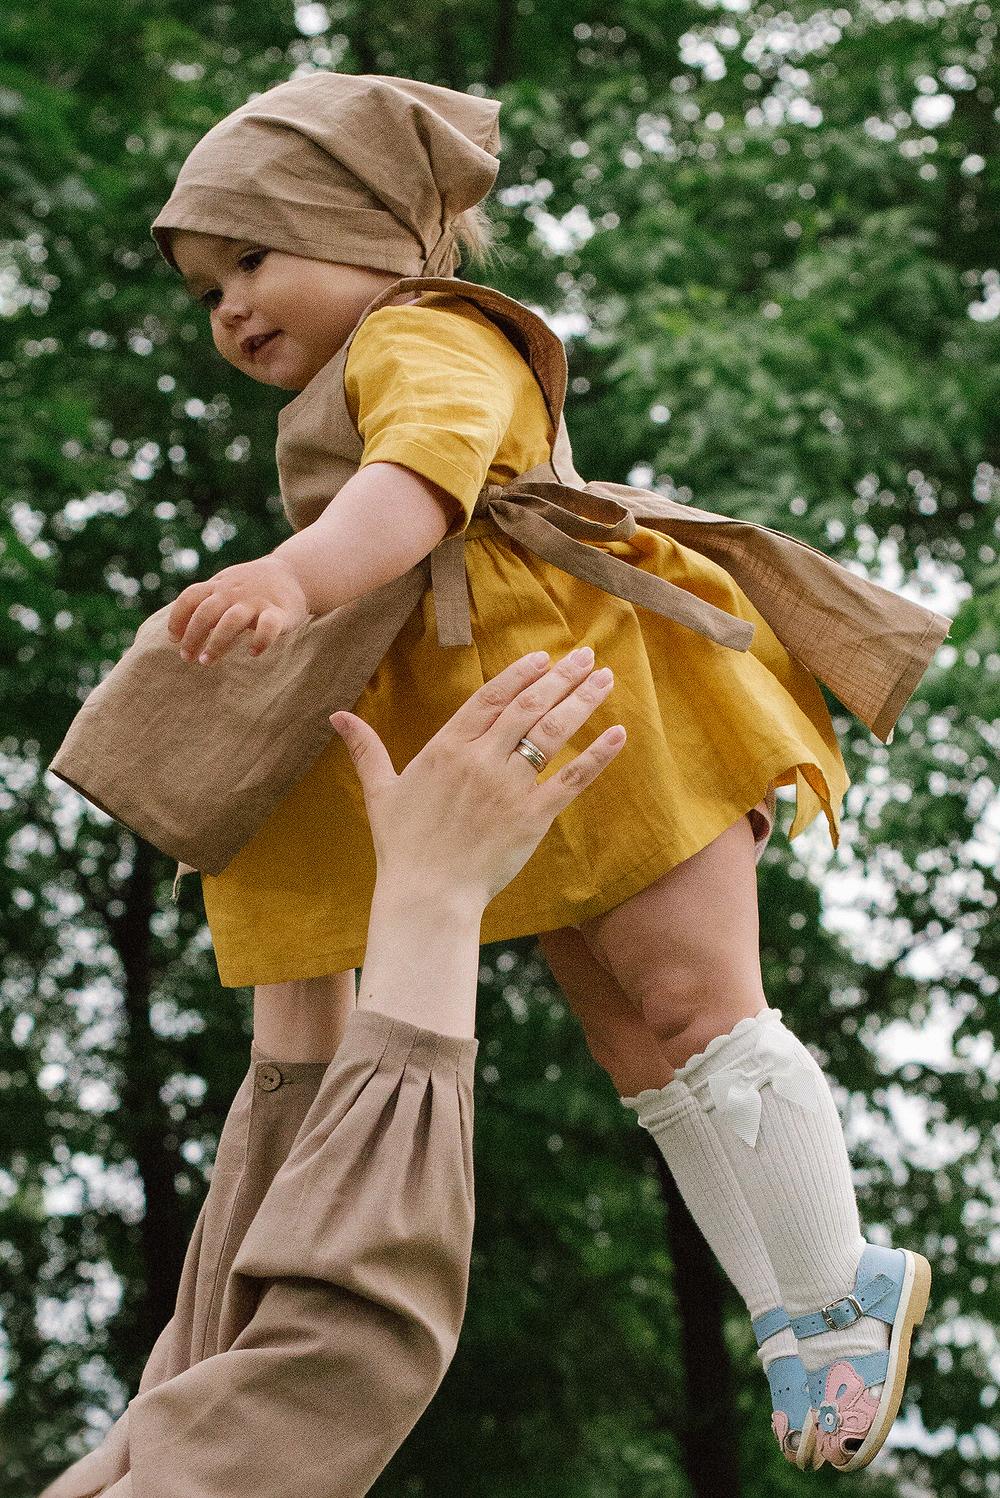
{"points": [[876, 1292], [770, 1322]]}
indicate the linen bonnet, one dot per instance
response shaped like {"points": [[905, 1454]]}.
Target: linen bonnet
{"points": [[360, 168]]}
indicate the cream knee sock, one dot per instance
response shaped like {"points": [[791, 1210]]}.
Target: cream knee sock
{"points": [[713, 1196], [773, 1119]]}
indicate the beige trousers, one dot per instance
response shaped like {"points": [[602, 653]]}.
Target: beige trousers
{"points": [[324, 1287]]}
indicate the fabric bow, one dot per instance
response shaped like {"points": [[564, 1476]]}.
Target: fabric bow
{"points": [[736, 1095]]}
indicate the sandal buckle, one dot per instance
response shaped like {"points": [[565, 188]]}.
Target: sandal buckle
{"points": [[836, 1326]]}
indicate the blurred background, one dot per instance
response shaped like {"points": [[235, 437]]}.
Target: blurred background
{"points": [[769, 239]]}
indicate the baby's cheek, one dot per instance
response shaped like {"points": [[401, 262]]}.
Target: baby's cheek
{"points": [[232, 353]]}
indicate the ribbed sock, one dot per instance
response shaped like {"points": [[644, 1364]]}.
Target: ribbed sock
{"points": [[714, 1198], [773, 1120]]}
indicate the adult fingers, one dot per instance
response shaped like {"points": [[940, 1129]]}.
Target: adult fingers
{"points": [[367, 751], [480, 711], [556, 793], [558, 725], [524, 711]]}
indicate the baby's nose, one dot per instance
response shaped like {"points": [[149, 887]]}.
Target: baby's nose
{"points": [[233, 311]]}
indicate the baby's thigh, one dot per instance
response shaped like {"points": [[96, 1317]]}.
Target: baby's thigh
{"points": [[686, 949], [617, 1036]]}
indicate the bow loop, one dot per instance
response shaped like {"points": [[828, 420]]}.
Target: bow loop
{"points": [[576, 512], [788, 1071], [737, 1101], [562, 525], [778, 1059]]}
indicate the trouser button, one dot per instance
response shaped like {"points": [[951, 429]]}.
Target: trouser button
{"points": [[269, 1077]]}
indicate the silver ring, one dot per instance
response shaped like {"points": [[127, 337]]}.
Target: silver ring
{"points": [[533, 753]]}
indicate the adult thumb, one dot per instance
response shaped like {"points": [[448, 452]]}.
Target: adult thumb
{"points": [[370, 756]]}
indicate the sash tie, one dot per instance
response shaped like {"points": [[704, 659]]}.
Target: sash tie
{"points": [[555, 521]]}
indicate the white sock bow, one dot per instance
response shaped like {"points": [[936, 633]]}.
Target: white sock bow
{"points": [[736, 1093]]}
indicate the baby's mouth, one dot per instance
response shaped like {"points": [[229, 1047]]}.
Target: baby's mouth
{"points": [[256, 344]]}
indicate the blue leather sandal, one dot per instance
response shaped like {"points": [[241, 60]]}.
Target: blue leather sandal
{"points": [[845, 1425], [788, 1383]]}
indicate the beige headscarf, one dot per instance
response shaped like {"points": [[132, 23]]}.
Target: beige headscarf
{"points": [[363, 169]]}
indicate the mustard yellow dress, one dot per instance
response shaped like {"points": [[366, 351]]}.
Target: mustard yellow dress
{"points": [[436, 386]]}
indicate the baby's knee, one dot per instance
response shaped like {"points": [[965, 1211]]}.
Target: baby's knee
{"points": [[685, 1021], [624, 1046]]}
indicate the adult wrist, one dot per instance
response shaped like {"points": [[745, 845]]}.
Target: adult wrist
{"points": [[422, 955], [421, 898]]}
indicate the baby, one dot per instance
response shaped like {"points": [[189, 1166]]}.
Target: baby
{"points": [[292, 222]]}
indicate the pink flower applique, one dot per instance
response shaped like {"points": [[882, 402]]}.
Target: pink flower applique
{"points": [[846, 1414], [780, 1425]]}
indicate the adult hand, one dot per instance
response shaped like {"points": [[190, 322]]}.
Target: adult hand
{"points": [[264, 596], [468, 811]]}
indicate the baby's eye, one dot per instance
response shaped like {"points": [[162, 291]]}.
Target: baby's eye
{"points": [[247, 262]]}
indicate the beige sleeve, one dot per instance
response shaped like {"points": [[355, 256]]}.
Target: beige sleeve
{"points": [[343, 1305]]}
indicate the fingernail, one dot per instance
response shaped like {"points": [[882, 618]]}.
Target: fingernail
{"points": [[185, 655], [602, 677], [204, 658], [582, 657]]}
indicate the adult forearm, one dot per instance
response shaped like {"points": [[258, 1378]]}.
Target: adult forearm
{"points": [[422, 957], [382, 522]]}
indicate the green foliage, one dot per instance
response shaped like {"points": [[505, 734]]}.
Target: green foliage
{"points": [[780, 290]]}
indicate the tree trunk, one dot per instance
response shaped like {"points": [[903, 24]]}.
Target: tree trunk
{"points": [[501, 68], [147, 1126], [709, 1435]]}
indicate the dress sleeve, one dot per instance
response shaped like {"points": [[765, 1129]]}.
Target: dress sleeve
{"points": [[433, 391]]}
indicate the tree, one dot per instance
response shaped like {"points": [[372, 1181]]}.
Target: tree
{"points": [[769, 240]]}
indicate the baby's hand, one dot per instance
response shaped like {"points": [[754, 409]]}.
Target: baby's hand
{"points": [[264, 596]]}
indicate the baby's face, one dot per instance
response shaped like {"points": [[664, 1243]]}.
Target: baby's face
{"points": [[309, 306]]}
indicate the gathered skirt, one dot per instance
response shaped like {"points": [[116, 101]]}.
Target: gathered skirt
{"points": [[711, 732]]}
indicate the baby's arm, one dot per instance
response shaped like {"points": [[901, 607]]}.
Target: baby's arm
{"points": [[431, 401], [430, 393], [384, 520]]}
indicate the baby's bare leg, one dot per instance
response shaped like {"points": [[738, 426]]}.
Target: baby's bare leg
{"points": [[303, 1020], [686, 950], [630, 1051], [617, 1036], [755, 1108]]}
